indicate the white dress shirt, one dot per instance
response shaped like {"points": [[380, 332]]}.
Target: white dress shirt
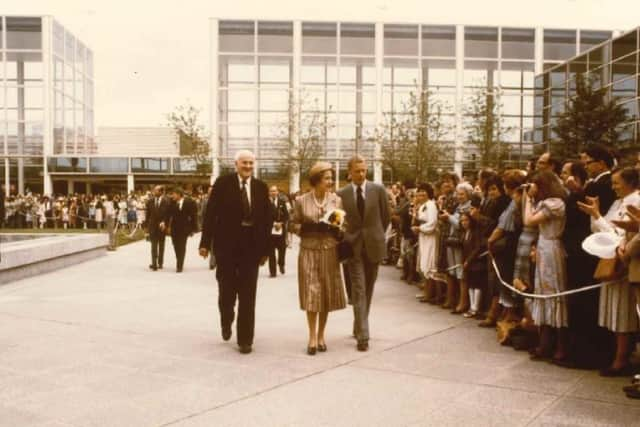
{"points": [[355, 190]]}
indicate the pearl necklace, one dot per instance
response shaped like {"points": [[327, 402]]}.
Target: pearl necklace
{"points": [[322, 205]]}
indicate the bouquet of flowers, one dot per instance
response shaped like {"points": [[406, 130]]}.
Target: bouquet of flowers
{"points": [[334, 218]]}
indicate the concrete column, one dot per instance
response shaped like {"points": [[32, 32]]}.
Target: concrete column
{"points": [[89, 187], [294, 176], [379, 51], [47, 78], [130, 183], [459, 135], [71, 189], [214, 141], [21, 126], [539, 51]]}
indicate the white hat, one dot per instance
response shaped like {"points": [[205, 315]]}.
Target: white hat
{"points": [[603, 244]]}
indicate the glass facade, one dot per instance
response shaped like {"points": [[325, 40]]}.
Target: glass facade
{"points": [[46, 98], [350, 77], [612, 65]]}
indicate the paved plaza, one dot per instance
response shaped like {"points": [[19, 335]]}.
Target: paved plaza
{"points": [[110, 343]]}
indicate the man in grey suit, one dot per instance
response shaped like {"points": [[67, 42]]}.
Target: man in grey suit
{"points": [[367, 219]]}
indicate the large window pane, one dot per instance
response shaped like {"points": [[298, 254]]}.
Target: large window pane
{"points": [[319, 71], [559, 45], [517, 75], [438, 73], [480, 74], [149, 165], [275, 37], [236, 69], [109, 165], [240, 100], [357, 39], [438, 40], [624, 68], [319, 37], [24, 33], [236, 36], [69, 47], [625, 89], [480, 42], [401, 40], [357, 71], [589, 39], [275, 71], [401, 72], [271, 100], [625, 45], [518, 43]]}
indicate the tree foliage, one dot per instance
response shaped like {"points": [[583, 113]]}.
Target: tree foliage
{"points": [[193, 142], [412, 139], [485, 129], [313, 124], [589, 118]]}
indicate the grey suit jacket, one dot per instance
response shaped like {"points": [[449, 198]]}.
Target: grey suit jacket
{"points": [[370, 231]]}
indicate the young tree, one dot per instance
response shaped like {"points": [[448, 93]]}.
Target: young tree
{"points": [[485, 129], [192, 138], [589, 118], [413, 142], [313, 124]]}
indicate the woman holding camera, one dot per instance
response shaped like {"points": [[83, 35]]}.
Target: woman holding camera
{"points": [[319, 275]]}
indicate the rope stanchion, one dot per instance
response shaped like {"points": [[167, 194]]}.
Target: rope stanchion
{"points": [[433, 276]]}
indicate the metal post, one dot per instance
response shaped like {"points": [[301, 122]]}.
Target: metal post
{"points": [[379, 52]]}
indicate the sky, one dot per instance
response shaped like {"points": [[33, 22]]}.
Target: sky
{"points": [[151, 56]]}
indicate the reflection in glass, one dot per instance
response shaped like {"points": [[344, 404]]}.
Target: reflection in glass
{"points": [[480, 42], [401, 40], [559, 45], [624, 68], [518, 75], [236, 36], [67, 164], [24, 33], [438, 40], [625, 45], [625, 89], [357, 39], [149, 165], [438, 73], [589, 39], [275, 37], [109, 165], [518, 43], [319, 37]]}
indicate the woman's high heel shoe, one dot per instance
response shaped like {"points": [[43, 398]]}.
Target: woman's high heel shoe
{"points": [[322, 348], [311, 351]]}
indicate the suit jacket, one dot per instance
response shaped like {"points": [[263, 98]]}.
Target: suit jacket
{"points": [[157, 215], [183, 221], [280, 214], [603, 191], [222, 221], [367, 232], [632, 258]]}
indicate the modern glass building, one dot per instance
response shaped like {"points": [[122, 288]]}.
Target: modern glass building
{"points": [[351, 76], [613, 66], [46, 99]]}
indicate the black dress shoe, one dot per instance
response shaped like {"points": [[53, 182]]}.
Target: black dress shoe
{"points": [[363, 345], [282, 270], [272, 275], [611, 372], [633, 393], [226, 333], [178, 270], [159, 266], [244, 349], [153, 267]]}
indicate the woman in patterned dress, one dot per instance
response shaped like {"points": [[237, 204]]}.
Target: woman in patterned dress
{"points": [[548, 214], [319, 275]]}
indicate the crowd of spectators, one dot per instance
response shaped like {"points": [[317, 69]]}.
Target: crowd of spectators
{"points": [[462, 240]]}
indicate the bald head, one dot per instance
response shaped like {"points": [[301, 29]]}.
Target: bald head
{"points": [[245, 161]]}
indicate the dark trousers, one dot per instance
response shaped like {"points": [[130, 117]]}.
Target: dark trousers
{"points": [[279, 245], [237, 276], [157, 248], [180, 247]]}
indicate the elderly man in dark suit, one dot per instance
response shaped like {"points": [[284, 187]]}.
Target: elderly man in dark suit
{"points": [[239, 220], [183, 221], [157, 218], [367, 219]]}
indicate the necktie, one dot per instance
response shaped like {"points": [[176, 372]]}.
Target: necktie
{"points": [[246, 207], [360, 202], [157, 202]]}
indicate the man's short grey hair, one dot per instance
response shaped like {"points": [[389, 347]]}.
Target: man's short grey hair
{"points": [[466, 187], [244, 153]]}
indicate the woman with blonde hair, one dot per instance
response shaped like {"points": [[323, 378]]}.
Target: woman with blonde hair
{"points": [[319, 275]]}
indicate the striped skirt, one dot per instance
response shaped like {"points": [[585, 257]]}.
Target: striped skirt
{"points": [[320, 284]]}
